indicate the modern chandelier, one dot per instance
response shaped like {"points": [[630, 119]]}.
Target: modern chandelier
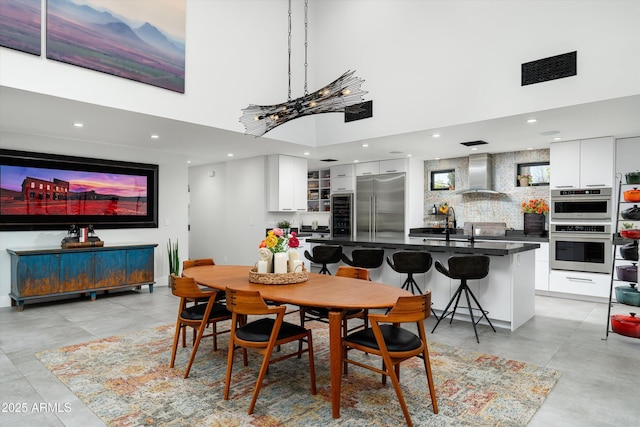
{"points": [[343, 92]]}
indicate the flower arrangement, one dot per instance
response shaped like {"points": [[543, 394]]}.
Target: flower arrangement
{"points": [[538, 206], [276, 241], [443, 208], [525, 176]]}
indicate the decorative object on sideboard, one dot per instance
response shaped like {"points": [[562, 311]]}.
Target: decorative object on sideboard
{"points": [[81, 237], [633, 177], [343, 92], [534, 216]]}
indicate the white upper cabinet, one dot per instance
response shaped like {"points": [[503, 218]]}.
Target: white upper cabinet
{"points": [[342, 179], [341, 171], [586, 163], [368, 168], [393, 166], [287, 177]]}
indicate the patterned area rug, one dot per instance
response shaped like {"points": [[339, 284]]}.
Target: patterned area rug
{"points": [[126, 380]]}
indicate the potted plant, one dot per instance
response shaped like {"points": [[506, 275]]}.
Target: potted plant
{"points": [[285, 226], [174, 260], [525, 179], [534, 211]]}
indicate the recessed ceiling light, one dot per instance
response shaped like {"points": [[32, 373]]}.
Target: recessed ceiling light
{"points": [[356, 161], [189, 162], [365, 145], [474, 148], [230, 155], [532, 120], [306, 153], [78, 124], [437, 158], [435, 135], [154, 136], [530, 148], [557, 138], [409, 155]]}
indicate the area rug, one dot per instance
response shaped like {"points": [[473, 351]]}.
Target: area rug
{"points": [[126, 381]]}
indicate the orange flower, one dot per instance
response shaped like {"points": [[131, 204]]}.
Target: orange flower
{"points": [[538, 206]]}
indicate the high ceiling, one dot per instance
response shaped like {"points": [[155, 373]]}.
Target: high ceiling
{"points": [[48, 116]]}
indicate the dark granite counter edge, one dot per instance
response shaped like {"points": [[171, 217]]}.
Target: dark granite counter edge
{"points": [[511, 236], [477, 248]]}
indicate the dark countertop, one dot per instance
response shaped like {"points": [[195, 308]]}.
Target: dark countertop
{"points": [[511, 235], [455, 245]]}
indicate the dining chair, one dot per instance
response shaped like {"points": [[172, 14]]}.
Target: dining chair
{"points": [[262, 335], [321, 314], [188, 263], [394, 344], [196, 316]]}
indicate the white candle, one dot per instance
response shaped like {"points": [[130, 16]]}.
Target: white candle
{"points": [[262, 267], [297, 266], [293, 255], [280, 262]]}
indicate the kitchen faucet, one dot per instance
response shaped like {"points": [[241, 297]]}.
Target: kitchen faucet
{"points": [[447, 230]]}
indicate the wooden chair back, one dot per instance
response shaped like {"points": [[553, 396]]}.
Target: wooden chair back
{"points": [[246, 302], [407, 309], [186, 287], [188, 263], [353, 272]]}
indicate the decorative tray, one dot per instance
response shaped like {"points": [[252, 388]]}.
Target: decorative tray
{"points": [[278, 278]]}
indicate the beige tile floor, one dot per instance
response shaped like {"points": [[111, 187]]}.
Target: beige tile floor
{"points": [[599, 385]]}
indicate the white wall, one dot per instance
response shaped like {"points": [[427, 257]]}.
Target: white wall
{"points": [[172, 204], [228, 211], [426, 63]]}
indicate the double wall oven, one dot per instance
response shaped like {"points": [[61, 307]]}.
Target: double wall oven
{"points": [[580, 236]]}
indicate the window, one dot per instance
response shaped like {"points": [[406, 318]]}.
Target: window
{"points": [[539, 173], [443, 180]]}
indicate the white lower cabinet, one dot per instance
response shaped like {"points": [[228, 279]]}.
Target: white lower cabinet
{"points": [[542, 267], [579, 283]]}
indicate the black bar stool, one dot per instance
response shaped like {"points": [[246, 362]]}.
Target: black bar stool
{"points": [[365, 258], [411, 262], [465, 268], [325, 254]]}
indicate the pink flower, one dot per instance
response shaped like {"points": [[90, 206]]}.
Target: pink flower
{"points": [[293, 241], [278, 232], [294, 234]]}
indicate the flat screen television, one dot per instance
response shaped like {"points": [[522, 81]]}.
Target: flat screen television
{"points": [[51, 192]]}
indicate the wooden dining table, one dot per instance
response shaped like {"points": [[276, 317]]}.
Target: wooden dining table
{"points": [[336, 293]]}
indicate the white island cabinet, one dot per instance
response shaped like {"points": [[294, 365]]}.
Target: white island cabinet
{"points": [[507, 293]]}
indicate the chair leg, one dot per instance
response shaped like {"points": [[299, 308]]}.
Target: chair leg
{"points": [[484, 313], [325, 270], [312, 366], [391, 371], [227, 381], [176, 337], [455, 297], [196, 344], [214, 326], [263, 371], [427, 368]]}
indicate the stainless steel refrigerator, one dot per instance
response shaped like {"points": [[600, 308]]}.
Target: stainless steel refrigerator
{"points": [[380, 206]]}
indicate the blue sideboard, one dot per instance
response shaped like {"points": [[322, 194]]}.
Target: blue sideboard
{"points": [[40, 273]]}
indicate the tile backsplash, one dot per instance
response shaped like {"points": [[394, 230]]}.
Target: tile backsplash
{"points": [[503, 207]]}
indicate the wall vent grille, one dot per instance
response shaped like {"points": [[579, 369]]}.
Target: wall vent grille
{"points": [[552, 68]]}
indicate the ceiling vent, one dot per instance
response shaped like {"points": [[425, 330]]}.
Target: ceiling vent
{"points": [[552, 68], [329, 160], [473, 143]]}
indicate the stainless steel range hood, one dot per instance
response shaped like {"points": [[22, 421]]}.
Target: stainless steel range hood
{"points": [[480, 175]]}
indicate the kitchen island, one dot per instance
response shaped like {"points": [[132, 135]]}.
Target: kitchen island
{"points": [[507, 293]]}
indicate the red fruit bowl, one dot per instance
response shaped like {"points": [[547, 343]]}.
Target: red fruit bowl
{"points": [[630, 233]]}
